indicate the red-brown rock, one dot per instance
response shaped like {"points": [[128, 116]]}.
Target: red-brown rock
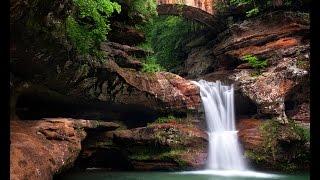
{"points": [[249, 133], [161, 91], [40, 149], [275, 37]]}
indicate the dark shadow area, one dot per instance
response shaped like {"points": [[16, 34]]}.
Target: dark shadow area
{"points": [[106, 158], [297, 102], [33, 107], [244, 105]]}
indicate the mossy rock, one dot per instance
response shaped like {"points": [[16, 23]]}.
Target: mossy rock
{"points": [[284, 147]]}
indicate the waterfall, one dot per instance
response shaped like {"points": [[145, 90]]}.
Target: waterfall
{"points": [[224, 150]]}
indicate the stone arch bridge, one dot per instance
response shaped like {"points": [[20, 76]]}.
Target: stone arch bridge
{"points": [[202, 11]]}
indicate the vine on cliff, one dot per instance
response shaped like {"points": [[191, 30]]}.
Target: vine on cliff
{"points": [[89, 25]]}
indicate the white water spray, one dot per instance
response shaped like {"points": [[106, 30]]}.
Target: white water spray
{"points": [[224, 149]]}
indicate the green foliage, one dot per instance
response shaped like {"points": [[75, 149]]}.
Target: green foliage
{"points": [[167, 37], [290, 156], [270, 133], [151, 65], [165, 119], [303, 133], [255, 6], [146, 46], [146, 8], [145, 153], [89, 25], [240, 2], [256, 63], [258, 158], [171, 119], [174, 154], [252, 12], [160, 153]]}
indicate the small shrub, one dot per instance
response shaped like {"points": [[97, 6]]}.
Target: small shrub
{"points": [[256, 63], [151, 65]]}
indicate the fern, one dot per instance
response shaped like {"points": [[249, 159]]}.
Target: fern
{"points": [[255, 62]]}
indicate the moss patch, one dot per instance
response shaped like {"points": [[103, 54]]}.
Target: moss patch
{"points": [[284, 147], [142, 153]]}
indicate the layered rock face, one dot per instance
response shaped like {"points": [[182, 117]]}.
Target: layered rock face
{"points": [[49, 64], [165, 146], [107, 82], [40, 149], [285, 45], [280, 91], [160, 91], [281, 38]]}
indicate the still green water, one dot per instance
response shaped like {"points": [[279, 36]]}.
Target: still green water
{"points": [[187, 175]]}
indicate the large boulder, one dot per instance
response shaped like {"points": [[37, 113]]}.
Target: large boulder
{"points": [[43, 148]]}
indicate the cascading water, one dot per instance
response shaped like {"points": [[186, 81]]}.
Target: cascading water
{"points": [[224, 149]]}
